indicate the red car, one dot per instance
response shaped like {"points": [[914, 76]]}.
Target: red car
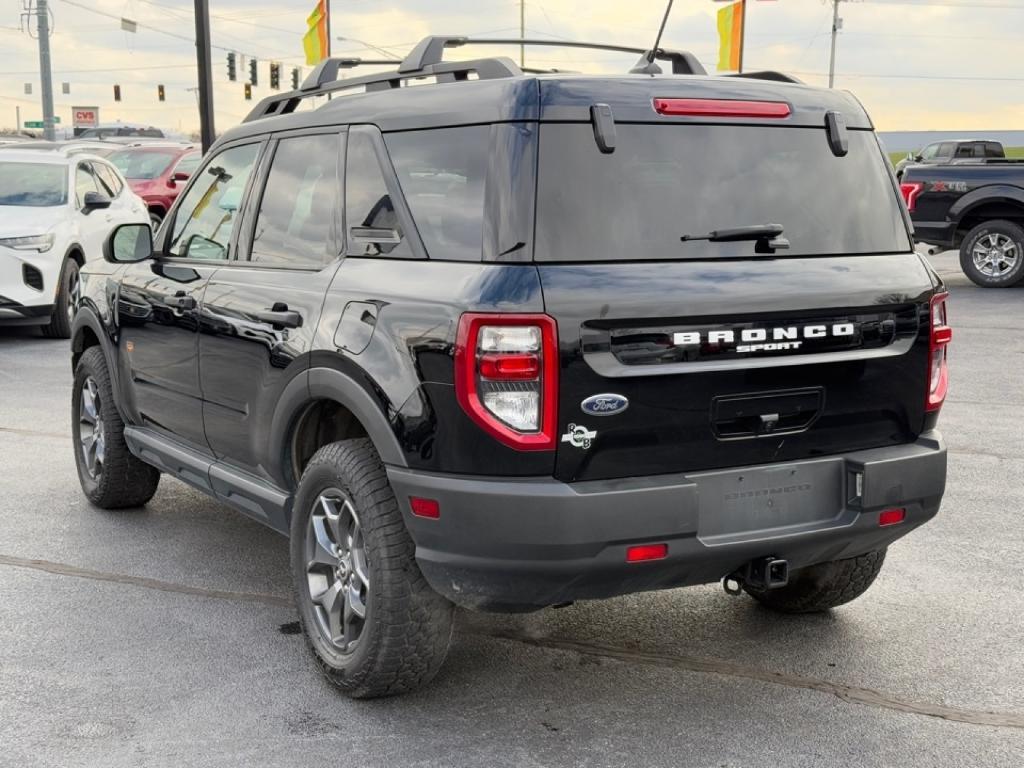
{"points": [[157, 172]]}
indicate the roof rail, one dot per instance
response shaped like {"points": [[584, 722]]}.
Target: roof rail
{"points": [[427, 59], [430, 50]]}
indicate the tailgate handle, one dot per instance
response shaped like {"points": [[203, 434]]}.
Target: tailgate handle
{"points": [[765, 414]]}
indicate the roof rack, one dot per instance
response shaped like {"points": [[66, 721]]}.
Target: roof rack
{"points": [[427, 60]]}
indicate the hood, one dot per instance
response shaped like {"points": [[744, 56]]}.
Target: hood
{"points": [[24, 220]]}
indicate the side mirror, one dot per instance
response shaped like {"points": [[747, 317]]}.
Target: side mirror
{"points": [[93, 201], [180, 176], [128, 243]]}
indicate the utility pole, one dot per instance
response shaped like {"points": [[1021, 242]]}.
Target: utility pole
{"points": [[206, 130], [837, 24], [522, 33], [17, 117], [45, 76]]}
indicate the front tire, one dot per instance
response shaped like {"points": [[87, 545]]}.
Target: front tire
{"points": [[373, 624], [992, 254], [823, 586], [66, 303], [111, 477]]}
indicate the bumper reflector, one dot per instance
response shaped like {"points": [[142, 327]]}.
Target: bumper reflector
{"points": [[428, 508], [642, 552], [892, 517]]}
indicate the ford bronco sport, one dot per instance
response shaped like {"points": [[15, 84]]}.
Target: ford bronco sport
{"points": [[507, 340]]}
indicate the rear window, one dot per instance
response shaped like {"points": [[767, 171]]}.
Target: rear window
{"points": [[666, 181]]}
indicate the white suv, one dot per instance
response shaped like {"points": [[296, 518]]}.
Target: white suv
{"points": [[55, 212]]}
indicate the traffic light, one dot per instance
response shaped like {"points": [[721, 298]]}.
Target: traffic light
{"points": [[160, 92], [253, 72], [232, 71], [248, 92], [117, 93], [275, 75], [295, 78]]}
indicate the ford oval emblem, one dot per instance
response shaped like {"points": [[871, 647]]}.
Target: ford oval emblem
{"points": [[604, 405]]}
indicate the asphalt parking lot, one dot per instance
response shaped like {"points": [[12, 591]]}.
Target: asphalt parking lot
{"points": [[164, 636]]}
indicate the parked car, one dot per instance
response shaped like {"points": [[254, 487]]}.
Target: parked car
{"points": [[522, 339], [951, 153], [71, 147], [55, 213], [157, 173], [976, 207], [122, 129]]}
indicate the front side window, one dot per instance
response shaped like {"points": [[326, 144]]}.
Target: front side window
{"points": [[370, 216], [295, 224], [106, 179], [189, 163], [84, 182], [929, 152], [946, 149], [208, 215]]}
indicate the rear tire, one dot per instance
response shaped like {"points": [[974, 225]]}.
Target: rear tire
{"points": [[823, 586], [373, 624], [66, 303], [111, 477], [992, 254]]}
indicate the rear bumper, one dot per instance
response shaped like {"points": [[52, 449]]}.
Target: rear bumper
{"points": [[522, 543], [938, 233], [16, 314]]}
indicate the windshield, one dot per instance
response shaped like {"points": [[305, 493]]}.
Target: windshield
{"points": [[37, 185], [666, 181], [143, 164]]}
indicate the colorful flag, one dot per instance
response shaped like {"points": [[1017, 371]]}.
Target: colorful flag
{"points": [[315, 42], [730, 36]]}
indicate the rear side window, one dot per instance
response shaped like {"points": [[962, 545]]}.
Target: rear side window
{"points": [[442, 174], [373, 224], [993, 150], [666, 181], [966, 150], [295, 224]]}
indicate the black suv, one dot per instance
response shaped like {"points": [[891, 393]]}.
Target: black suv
{"points": [[507, 340]]}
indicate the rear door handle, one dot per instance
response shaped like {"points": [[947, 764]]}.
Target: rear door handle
{"points": [[182, 300], [280, 317]]}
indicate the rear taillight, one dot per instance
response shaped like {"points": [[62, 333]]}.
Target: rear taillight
{"points": [[910, 192], [939, 336], [506, 377], [721, 108]]}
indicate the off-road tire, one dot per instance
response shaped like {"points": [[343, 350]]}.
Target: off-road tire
{"points": [[823, 586], [59, 326], [407, 629], [998, 228], [124, 481]]}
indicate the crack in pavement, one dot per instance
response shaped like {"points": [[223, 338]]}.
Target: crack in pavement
{"points": [[34, 433], [849, 693], [63, 569]]}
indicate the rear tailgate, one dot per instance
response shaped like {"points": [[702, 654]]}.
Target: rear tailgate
{"points": [[727, 356], [707, 405]]}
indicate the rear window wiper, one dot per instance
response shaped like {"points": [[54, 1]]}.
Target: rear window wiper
{"points": [[768, 237]]}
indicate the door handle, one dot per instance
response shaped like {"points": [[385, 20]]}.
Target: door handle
{"points": [[279, 316], [182, 300]]}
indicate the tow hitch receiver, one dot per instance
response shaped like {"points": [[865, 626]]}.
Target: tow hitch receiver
{"points": [[758, 575]]}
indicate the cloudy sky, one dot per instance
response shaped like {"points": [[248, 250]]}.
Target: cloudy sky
{"points": [[915, 64]]}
